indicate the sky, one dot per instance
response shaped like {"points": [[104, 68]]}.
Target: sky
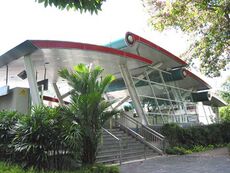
{"points": [[26, 19]]}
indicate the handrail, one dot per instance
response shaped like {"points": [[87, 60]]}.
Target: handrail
{"points": [[150, 137], [141, 138], [111, 134], [146, 127], [119, 141], [132, 131]]}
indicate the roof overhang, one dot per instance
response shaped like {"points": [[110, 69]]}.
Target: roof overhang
{"points": [[215, 101], [137, 45], [55, 55]]}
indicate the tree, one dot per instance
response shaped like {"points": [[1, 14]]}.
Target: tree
{"points": [[88, 106], [92, 6], [207, 21], [225, 93]]}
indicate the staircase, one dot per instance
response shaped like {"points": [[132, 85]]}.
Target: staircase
{"points": [[123, 148]]}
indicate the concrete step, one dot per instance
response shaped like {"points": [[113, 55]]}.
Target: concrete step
{"points": [[114, 150], [123, 145], [131, 148]]}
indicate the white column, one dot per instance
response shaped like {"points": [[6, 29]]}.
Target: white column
{"points": [[58, 94], [132, 92], [32, 81]]}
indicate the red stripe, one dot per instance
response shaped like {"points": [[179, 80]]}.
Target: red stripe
{"points": [[192, 75], [144, 41], [71, 45], [51, 99]]}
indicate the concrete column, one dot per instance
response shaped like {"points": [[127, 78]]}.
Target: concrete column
{"points": [[132, 92], [58, 94], [36, 100]]}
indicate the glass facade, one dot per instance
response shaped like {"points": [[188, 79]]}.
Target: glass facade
{"points": [[162, 99]]}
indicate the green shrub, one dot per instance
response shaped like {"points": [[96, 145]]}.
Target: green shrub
{"points": [[172, 132], [178, 151], [7, 168], [40, 139], [99, 169], [214, 134], [200, 148], [225, 131], [8, 119]]}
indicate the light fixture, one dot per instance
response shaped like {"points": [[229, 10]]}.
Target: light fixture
{"points": [[22, 75]]}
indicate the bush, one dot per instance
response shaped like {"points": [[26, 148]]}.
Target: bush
{"points": [[8, 120], [45, 139], [225, 132], [173, 133], [214, 134], [41, 141], [178, 151], [99, 169], [200, 148], [7, 168]]}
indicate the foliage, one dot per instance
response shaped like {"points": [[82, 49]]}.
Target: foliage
{"points": [[172, 132], [225, 113], [92, 6], [206, 21], [181, 150], [214, 134], [7, 120], [89, 109], [225, 94], [7, 168], [178, 151], [41, 138]]}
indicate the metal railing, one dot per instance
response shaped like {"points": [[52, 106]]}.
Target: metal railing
{"points": [[146, 135], [118, 141]]}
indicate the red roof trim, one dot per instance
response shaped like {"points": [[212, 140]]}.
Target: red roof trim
{"points": [[142, 40], [90, 47], [192, 75]]}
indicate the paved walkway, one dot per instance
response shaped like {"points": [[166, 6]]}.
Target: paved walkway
{"points": [[215, 161]]}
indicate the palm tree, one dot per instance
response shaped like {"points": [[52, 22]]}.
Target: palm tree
{"points": [[89, 108]]}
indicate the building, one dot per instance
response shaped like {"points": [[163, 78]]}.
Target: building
{"points": [[157, 82]]}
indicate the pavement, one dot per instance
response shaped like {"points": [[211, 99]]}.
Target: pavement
{"points": [[214, 161]]}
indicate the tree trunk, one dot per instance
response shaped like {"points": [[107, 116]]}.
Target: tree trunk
{"points": [[88, 151]]}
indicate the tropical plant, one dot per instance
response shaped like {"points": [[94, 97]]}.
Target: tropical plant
{"points": [[41, 138], [9, 168], [206, 21], [7, 121], [86, 5], [88, 106]]}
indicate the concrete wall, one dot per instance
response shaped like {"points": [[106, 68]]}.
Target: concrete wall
{"points": [[18, 99]]}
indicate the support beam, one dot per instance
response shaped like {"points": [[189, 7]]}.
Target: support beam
{"points": [[66, 94], [121, 102], [132, 92], [58, 94], [32, 81]]}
